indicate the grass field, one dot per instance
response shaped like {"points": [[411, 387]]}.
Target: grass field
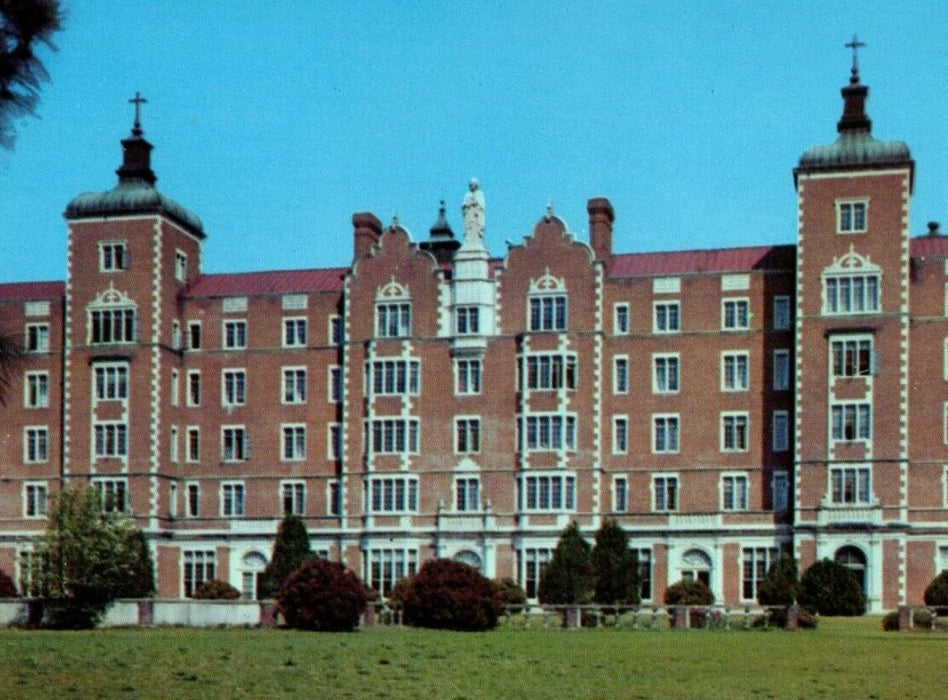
{"points": [[840, 659]]}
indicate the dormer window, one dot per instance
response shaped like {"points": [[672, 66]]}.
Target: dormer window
{"points": [[113, 256], [851, 216]]}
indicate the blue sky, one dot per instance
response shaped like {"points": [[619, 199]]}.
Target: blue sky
{"points": [[276, 121]]}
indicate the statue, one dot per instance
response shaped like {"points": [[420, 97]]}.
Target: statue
{"points": [[473, 211]]}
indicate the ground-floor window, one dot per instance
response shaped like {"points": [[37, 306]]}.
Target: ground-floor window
{"points": [[645, 573], [384, 567], [199, 566], [530, 565], [756, 561], [696, 566], [854, 560]]}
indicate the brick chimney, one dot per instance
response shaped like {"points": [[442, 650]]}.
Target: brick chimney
{"points": [[366, 232], [601, 217]]}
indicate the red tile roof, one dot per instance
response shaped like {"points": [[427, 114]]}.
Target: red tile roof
{"points": [[929, 246], [781, 257], [272, 282], [32, 291]]}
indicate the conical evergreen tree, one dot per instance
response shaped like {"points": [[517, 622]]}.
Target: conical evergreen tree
{"points": [[615, 567], [568, 578], [781, 584], [290, 550]]}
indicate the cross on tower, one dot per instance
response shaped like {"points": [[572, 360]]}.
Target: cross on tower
{"points": [[138, 101], [855, 45]]}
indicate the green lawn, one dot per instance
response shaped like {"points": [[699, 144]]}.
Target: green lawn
{"points": [[843, 658]]}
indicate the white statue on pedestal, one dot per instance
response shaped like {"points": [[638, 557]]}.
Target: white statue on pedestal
{"points": [[473, 211]]}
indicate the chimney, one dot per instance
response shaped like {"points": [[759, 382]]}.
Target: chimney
{"points": [[601, 217], [933, 229], [366, 232]]}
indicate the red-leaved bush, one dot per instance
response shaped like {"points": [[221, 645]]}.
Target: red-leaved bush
{"points": [[447, 594], [323, 596]]}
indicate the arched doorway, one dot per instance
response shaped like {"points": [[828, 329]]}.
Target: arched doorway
{"points": [[854, 560], [473, 559], [696, 566], [252, 566]]}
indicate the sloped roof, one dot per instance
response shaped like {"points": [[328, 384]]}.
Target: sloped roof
{"points": [[780, 257], [929, 246], [271, 282], [32, 291]]}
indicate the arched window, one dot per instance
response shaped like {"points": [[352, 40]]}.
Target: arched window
{"points": [[696, 566], [854, 560], [466, 556], [252, 564]]}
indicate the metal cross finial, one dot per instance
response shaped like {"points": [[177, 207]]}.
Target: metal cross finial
{"points": [[138, 101], [855, 45]]}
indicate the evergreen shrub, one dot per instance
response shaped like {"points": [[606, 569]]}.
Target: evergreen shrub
{"points": [[829, 588], [936, 594], [322, 596], [568, 578], [511, 595], [447, 594], [216, 590]]}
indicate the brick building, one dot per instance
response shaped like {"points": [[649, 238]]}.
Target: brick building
{"points": [[432, 400]]}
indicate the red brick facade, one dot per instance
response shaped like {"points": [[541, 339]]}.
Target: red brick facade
{"points": [[720, 404]]}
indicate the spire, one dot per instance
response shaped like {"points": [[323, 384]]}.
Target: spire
{"points": [[136, 151], [441, 242], [854, 119], [441, 230]]}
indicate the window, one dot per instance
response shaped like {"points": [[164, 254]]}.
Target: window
{"points": [[551, 371], [665, 433], [756, 561], [620, 494], [294, 385], [781, 370], [467, 494], [548, 313], [334, 441], [194, 444], [35, 497], [173, 444], [620, 435], [335, 384], [112, 256], [180, 266], [467, 376], [467, 433], [234, 389], [781, 313], [393, 494], [175, 335], [111, 439], [393, 435], [293, 497], [335, 330], [781, 431], [734, 432], [531, 563], [36, 444], [548, 432], [664, 493], [393, 320], [547, 493], [781, 491], [36, 390], [851, 217], [645, 573], [850, 485], [620, 321], [734, 492], [333, 497], [235, 334], [199, 566], [112, 326], [851, 294], [395, 377], [384, 567], [192, 505], [851, 421], [194, 335], [111, 382], [620, 375], [734, 371], [37, 337], [235, 445], [294, 442], [467, 320], [194, 387], [232, 499], [112, 494], [735, 314], [294, 332], [666, 317], [173, 397], [665, 374], [852, 357]]}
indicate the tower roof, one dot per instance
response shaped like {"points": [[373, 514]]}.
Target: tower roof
{"points": [[135, 192]]}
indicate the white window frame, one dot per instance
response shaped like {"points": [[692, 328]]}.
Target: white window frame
{"points": [[736, 304], [295, 332], [835, 304], [548, 312], [781, 503], [175, 393], [194, 390], [114, 488], [730, 431], [36, 338], [392, 495], [36, 389], [861, 483], [114, 439], [334, 325], [781, 357], [195, 340], [547, 492], [848, 208], [192, 506], [292, 442], [35, 499], [620, 319], [333, 497], [660, 483], [548, 432], [467, 493], [235, 431], [620, 493], [862, 419], [466, 383], [202, 565], [670, 446], [233, 386], [294, 385], [856, 355], [783, 313], [113, 256], [334, 384], [292, 491], [38, 437], [393, 319], [620, 435], [735, 371], [467, 320], [759, 561], [192, 439], [234, 334], [114, 384], [666, 326], [661, 374], [780, 435], [180, 265], [333, 441], [467, 435], [549, 371], [620, 374], [406, 431], [121, 321], [234, 505], [739, 491], [173, 444], [394, 376]]}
